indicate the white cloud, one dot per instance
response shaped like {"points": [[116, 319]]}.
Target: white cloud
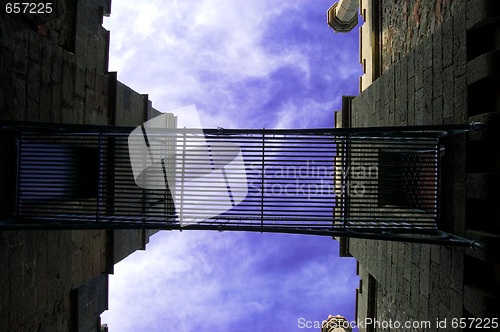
{"points": [[306, 114], [224, 40], [215, 279]]}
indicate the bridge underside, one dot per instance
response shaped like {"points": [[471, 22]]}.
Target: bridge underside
{"points": [[380, 183]]}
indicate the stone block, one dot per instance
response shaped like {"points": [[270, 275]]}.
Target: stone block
{"points": [[4, 282], [15, 276], [103, 50], [67, 115], [400, 284], [459, 42], [382, 266], [399, 256], [77, 240], [392, 115], [76, 274], [483, 186], [405, 294], [96, 255], [411, 101], [444, 275], [419, 107], [68, 85], [102, 90], [65, 260], [20, 65], [57, 65], [104, 255], [394, 275], [53, 249], [428, 87], [87, 256], [479, 11], [459, 209], [436, 253], [424, 282], [444, 312], [457, 268], [401, 85], [54, 290], [80, 80], [34, 47], [28, 277], [415, 253], [415, 282], [41, 279], [375, 89], [19, 100], [447, 43], [90, 101], [448, 95], [4, 317], [90, 78], [437, 49], [484, 66], [79, 110], [91, 52], [460, 99], [382, 91], [46, 64], [427, 55], [425, 255], [410, 58], [437, 111], [377, 113], [406, 266], [389, 85], [423, 309], [56, 114], [419, 68], [29, 247], [7, 41], [434, 290], [437, 82], [46, 108], [33, 93], [41, 239], [479, 302], [456, 305]]}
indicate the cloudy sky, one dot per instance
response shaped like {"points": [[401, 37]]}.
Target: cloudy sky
{"points": [[252, 64]]}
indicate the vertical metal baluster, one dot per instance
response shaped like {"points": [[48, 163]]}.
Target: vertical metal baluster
{"points": [[101, 178], [262, 181], [182, 175], [19, 138]]}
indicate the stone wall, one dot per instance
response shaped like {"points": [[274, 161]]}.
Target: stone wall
{"points": [[429, 85], [54, 73], [446, 77], [43, 82], [406, 23]]}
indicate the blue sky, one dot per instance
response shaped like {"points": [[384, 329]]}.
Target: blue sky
{"points": [[252, 64]]}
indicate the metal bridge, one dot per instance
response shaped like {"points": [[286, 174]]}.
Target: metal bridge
{"points": [[376, 183]]}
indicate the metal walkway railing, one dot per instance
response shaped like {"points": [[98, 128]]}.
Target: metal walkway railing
{"points": [[380, 183]]}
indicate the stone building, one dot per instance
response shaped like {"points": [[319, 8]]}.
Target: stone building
{"points": [[54, 68], [433, 62]]}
